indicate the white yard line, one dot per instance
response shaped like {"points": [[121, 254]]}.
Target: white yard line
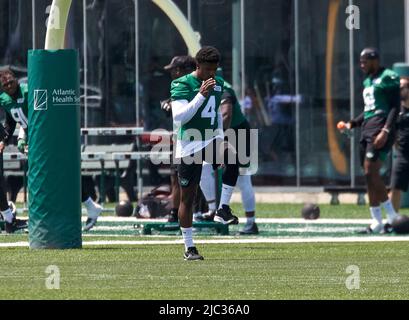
{"points": [[232, 241], [243, 220]]}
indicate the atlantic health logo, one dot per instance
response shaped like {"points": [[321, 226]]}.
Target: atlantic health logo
{"points": [[40, 100]]}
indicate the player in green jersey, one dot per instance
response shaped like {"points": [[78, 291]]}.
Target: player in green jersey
{"points": [[178, 67], [198, 122], [382, 101], [234, 120], [14, 101]]}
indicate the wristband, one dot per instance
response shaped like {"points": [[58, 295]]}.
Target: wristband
{"points": [[386, 130]]}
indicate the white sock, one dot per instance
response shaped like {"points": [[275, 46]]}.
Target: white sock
{"points": [[251, 220], [89, 203], [187, 234], [207, 182], [212, 205], [376, 214], [8, 215], [247, 193], [390, 211], [227, 192], [91, 206]]}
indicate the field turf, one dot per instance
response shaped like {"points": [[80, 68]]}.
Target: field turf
{"points": [[230, 271]]}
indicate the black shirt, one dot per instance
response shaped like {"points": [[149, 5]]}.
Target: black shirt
{"points": [[402, 142]]}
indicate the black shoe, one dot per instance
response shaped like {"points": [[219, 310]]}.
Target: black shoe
{"points": [[192, 254], [208, 216], [173, 216], [249, 229], [16, 225], [90, 223], [225, 216]]}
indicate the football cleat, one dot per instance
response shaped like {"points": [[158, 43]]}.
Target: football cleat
{"points": [[89, 224], [225, 216], [249, 229], [16, 225], [192, 254], [208, 216], [368, 230]]}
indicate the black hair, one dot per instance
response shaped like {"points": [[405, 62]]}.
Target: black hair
{"points": [[370, 54], [208, 54]]}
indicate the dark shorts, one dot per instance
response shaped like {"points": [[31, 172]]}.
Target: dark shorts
{"points": [[242, 144], [400, 171], [370, 129], [190, 172], [173, 165]]}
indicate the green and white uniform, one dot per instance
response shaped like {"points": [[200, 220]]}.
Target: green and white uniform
{"points": [[16, 110], [197, 120], [381, 93], [237, 115]]}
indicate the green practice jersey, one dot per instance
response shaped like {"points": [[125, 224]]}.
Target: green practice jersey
{"points": [[237, 115], [206, 118], [17, 109], [381, 94]]}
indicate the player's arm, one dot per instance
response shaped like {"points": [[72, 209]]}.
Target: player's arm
{"points": [[9, 128], [390, 123], [22, 141], [356, 122], [226, 107], [183, 110]]}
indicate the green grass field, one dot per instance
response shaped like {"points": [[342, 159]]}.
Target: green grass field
{"points": [[230, 270]]}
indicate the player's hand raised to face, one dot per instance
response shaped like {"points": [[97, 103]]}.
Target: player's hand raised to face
{"points": [[207, 86]]}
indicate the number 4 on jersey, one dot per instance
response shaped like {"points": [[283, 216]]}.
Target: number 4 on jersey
{"points": [[210, 110]]}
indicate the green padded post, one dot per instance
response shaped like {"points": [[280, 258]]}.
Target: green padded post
{"points": [[54, 178]]}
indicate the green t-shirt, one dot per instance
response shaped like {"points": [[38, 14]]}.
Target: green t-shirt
{"points": [[186, 88], [18, 109], [237, 115], [381, 94]]}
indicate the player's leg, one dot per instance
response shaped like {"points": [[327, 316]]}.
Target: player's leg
{"points": [[370, 169], [249, 204], [93, 209], [173, 217], [399, 179], [11, 223], [199, 204], [189, 175], [208, 187], [230, 174]]}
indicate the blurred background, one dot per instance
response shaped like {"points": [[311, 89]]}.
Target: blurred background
{"points": [[293, 63]]}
